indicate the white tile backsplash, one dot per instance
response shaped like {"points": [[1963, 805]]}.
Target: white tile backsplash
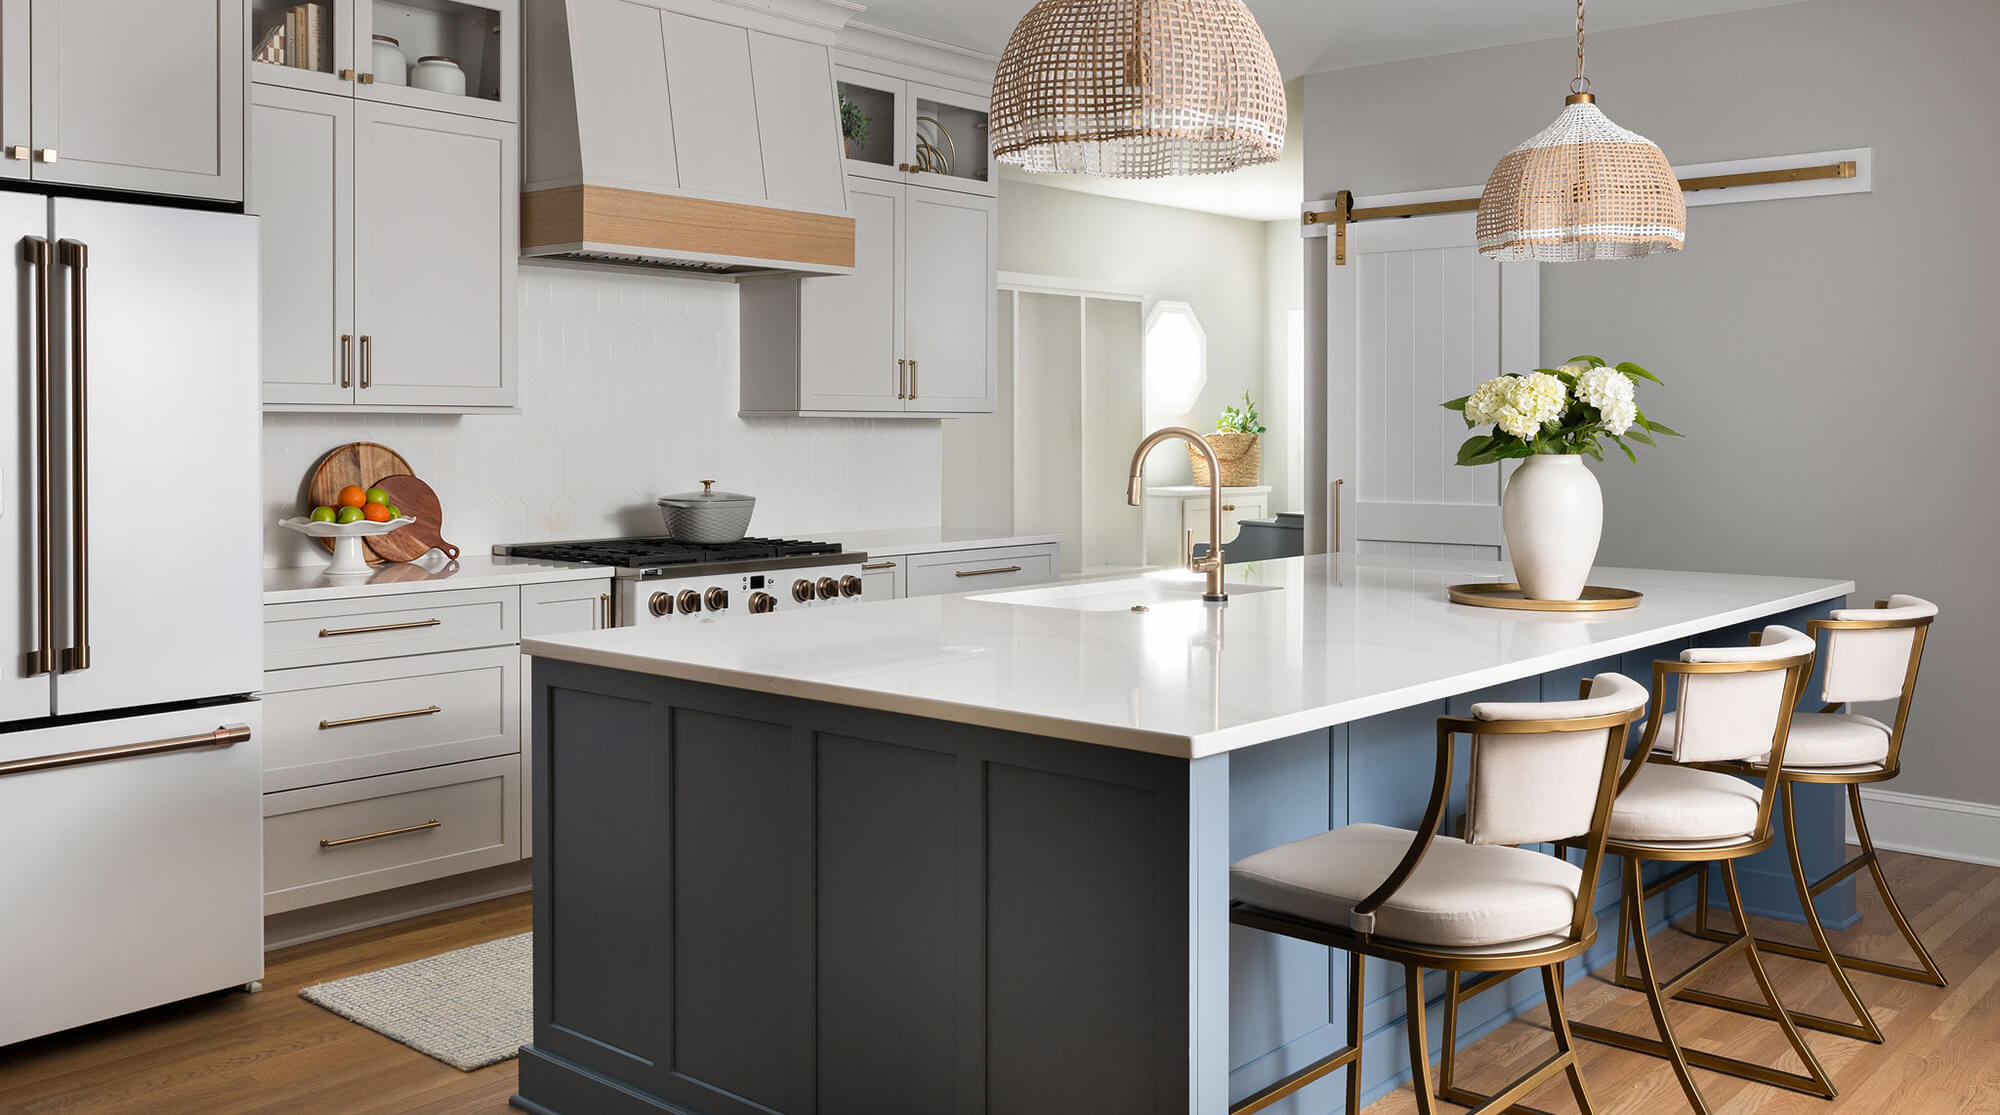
{"points": [[628, 392]]}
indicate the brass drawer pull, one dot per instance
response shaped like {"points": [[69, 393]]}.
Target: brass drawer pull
{"points": [[880, 565], [406, 829], [225, 736], [407, 714], [987, 572], [330, 632]]}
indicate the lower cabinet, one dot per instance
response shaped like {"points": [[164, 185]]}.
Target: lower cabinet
{"points": [[1173, 511], [894, 576], [393, 750]]}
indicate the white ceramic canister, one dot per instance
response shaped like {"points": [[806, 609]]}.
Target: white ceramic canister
{"points": [[390, 67], [438, 74]]}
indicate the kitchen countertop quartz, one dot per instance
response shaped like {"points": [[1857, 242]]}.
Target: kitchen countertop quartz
{"points": [[1338, 640], [932, 540], [428, 574]]}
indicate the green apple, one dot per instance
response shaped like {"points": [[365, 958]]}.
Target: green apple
{"points": [[377, 495], [395, 512], [347, 515], [322, 515]]}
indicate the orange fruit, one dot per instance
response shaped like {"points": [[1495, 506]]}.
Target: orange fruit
{"points": [[376, 513], [351, 496]]}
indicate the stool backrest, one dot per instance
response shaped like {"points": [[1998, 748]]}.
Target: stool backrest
{"points": [[1872, 654], [1538, 767], [1741, 711]]}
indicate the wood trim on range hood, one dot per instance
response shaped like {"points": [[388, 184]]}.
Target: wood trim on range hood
{"points": [[570, 219]]}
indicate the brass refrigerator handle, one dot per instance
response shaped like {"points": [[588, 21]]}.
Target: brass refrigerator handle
{"points": [[75, 255], [377, 718], [226, 736], [43, 659], [331, 632], [367, 361], [987, 572], [346, 360], [406, 829]]}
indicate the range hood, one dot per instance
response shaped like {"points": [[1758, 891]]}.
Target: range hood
{"points": [[685, 135]]}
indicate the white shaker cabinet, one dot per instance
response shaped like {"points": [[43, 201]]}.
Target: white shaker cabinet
{"points": [[952, 257], [302, 185], [125, 95], [865, 309]]}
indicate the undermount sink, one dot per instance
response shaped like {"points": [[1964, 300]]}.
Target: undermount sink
{"points": [[1117, 596]]}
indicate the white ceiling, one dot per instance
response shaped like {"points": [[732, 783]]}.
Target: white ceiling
{"points": [[1308, 36], [1313, 35]]}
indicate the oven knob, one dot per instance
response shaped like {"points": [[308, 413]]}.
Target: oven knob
{"points": [[802, 590], [661, 604], [828, 588], [689, 601], [850, 585], [761, 602], [716, 598]]}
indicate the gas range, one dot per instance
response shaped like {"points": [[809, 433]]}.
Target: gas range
{"points": [[660, 579]]}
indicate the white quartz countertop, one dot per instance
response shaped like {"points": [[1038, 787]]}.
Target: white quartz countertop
{"points": [[932, 540], [1335, 642], [433, 572]]}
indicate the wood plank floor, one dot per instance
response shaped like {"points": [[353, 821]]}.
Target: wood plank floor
{"points": [[275, 1052]]}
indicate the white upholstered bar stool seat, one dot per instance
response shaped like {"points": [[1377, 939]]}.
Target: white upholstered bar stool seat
{"points": [[1836, 739], [1681, 805], [1461, 895]]}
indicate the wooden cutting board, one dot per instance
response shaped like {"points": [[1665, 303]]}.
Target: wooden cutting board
{"points": [[414, 498], [359, 463]]}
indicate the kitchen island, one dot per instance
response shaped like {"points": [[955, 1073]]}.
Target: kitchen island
{"points": [[970, 853]]}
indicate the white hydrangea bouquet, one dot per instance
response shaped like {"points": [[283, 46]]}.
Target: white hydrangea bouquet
{"points": [[1558, 410]]}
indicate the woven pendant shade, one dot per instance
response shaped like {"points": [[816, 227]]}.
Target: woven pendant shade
{"points": [[1584, 188], [1138, 89]]}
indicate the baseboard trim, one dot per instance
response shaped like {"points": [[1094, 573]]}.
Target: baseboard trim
{"points": [[1941, 828], [313, 923]]}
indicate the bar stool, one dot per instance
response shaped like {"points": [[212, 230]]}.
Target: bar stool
{"points": [[1872, 654], [1541, 772], [1735, 704]]}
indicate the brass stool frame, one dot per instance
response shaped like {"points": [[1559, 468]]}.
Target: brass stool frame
{"points": [[1632, 918], [1926, 971], [1415, 958]]}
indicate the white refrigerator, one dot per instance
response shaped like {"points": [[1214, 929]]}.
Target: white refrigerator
{"points": [[130, 641]]}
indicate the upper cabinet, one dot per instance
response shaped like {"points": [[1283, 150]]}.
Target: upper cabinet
{"points": [[456, 56], [111, 94], [914, 132]]}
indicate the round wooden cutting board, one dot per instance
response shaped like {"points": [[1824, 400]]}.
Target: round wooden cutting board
{"points": [[360, 463], [414, 498]]}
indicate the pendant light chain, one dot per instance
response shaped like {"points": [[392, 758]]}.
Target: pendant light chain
{"points": [[1580, 84]]}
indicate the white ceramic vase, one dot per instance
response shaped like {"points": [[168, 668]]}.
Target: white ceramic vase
{"points": [[1553, 514]]}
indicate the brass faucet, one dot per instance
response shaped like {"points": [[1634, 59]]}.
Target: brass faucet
{"points": [[1135, 492]]}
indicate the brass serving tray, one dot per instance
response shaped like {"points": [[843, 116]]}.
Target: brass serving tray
{"points": [[1507, 594]]}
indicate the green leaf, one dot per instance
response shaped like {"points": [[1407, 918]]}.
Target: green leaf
{"points": [[1474, 446], [1638, 373], [1639, 435], [1593, 361], [1456, 404], [1629, 455], [1660, 428]]}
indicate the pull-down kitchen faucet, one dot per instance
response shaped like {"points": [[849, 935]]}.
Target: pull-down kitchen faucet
{"points": [[1136, 491]]}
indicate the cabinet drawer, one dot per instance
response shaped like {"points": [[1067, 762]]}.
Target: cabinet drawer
{"points": [[882, 577], [321, 632], [357, 719], [332, 842], [979, 570]]}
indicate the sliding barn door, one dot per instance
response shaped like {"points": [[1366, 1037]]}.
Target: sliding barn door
{"points": [[1416, 317]]}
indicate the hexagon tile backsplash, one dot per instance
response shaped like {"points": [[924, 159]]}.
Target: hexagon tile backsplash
{"points": [[628, 392]]}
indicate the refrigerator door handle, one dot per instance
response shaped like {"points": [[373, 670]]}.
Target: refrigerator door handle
{"points": [[75, 255], [226, 736], [42, 659]]}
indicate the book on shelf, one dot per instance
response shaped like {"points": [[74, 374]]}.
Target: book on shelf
{"points": [[302, 38]]}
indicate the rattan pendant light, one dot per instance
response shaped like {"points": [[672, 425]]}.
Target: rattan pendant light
{"points": [[1584, 188], [1138, 89]]}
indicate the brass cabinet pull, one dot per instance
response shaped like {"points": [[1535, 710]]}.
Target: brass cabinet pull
{"points": [[75, 255], [42, 660], [913, 379], [367, 361], [347, 75], [346, 360], [367, 79], [604, 606], [880, 565], [405, 830], [1229, 507], [226, 736], [428, 710], [331, 632], [18, 151], [987, 572], [902, 368], [46, 154], [1337, 485]]}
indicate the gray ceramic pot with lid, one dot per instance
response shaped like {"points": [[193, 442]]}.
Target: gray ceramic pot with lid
{"points": [[707, 516]]}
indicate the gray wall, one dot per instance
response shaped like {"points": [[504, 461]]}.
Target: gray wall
{"points": [[1215, 264], [1831, 359]]}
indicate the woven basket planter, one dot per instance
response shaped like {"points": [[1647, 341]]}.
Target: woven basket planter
{"points": [[1241, 457]]}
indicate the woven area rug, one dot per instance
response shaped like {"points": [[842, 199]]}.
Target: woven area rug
{"points": [[469, 1008]]}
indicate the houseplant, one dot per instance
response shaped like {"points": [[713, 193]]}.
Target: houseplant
{"points": [[853, 126], [1550, 419], [1237, 444]]}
